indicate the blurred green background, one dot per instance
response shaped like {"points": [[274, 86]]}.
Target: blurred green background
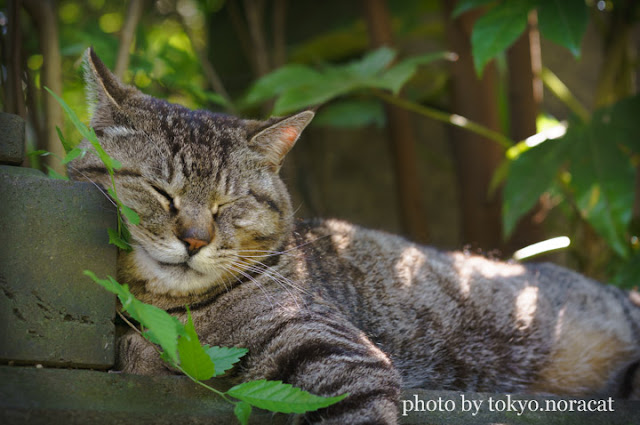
{"points": [[379, 157]]}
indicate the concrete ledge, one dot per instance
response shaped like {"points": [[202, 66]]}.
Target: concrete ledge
{"points": [[50, 313], [57, 396], [60, 396], [11, 138]]}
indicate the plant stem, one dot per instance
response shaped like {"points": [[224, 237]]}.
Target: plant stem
{"points": [[202, 384], [452, 119], [562, 92]]}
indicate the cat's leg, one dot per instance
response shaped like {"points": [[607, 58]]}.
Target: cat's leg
{"points": [[328, 356], [136, 355]]}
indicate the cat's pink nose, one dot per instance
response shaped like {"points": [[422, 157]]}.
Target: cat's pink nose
{"points": [[195, 238], [194, 245]]}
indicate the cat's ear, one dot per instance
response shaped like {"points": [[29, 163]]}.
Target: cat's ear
{"points": [[105, 92], [276, 140]]}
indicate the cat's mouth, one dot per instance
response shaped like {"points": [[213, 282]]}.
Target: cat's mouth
{"points": [[184, 266]]}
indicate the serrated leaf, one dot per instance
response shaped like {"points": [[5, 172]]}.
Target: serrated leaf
{"points": [[115, 164], [281, 80], [396, 77], [278, 397], [564, 22], [627, 274], [466, 5], [530, 175], [335, 82], [54, 174], [73, 154], [224, 357], [80, 126], [194, 360], [372, 63], [109, 284], [113, 194], [115, 239], [242, 410], [39, 152], [130, 214], [88, 133], [160, 327], [498, 29], [602, 173], [351, 114], [603, 178], [66, 145], [623, 117], [299, 86]]}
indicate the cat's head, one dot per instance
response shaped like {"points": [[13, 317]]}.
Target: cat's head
{"points": [[205, 185]]}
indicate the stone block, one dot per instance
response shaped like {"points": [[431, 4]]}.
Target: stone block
{"points": [[50, 231], [11, 138], [56, 396]]}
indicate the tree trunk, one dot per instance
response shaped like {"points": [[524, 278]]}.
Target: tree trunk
{"points": [[14, 97], [476, 157], [134, 12], [44, 14], [401, 135]]}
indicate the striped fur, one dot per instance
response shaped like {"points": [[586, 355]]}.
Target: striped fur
{"points": [[326, 305]]}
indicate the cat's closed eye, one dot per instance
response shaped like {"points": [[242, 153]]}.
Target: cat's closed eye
{"points": [[167, 201]]}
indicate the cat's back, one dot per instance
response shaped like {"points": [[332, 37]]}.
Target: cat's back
{"points": [[454, 316]]}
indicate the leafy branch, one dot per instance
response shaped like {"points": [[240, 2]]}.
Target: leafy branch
{"points": [[300, 86], [121, 236], [182, 350]]}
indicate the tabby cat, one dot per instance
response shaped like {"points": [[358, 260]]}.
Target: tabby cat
{"points": [[326, 305]]}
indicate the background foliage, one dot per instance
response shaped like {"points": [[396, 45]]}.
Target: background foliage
{"points": [[257, 57]]}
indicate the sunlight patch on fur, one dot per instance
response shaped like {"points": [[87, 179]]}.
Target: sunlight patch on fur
{"points": [[526, 306]]}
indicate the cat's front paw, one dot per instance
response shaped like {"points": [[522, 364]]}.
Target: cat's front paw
{"points": [[138, 356]]}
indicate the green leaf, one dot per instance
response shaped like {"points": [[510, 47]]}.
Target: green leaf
{"points": [[372, 63], [564, 22], [466, 5], [530, 175], [299, 86], [130, 214], [602, 172], [39, 152], [623, 118], [115, 239], [285, 78], [242, 412], [603, 178], [351, 114], [88, 134], [627, 274], [66, 145], [224, 357], [73, 154], [113, 194], [193, 357], [278, 397], [396, 77], [54, 174], [80, 126], [496, 30], [161, 328]]}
